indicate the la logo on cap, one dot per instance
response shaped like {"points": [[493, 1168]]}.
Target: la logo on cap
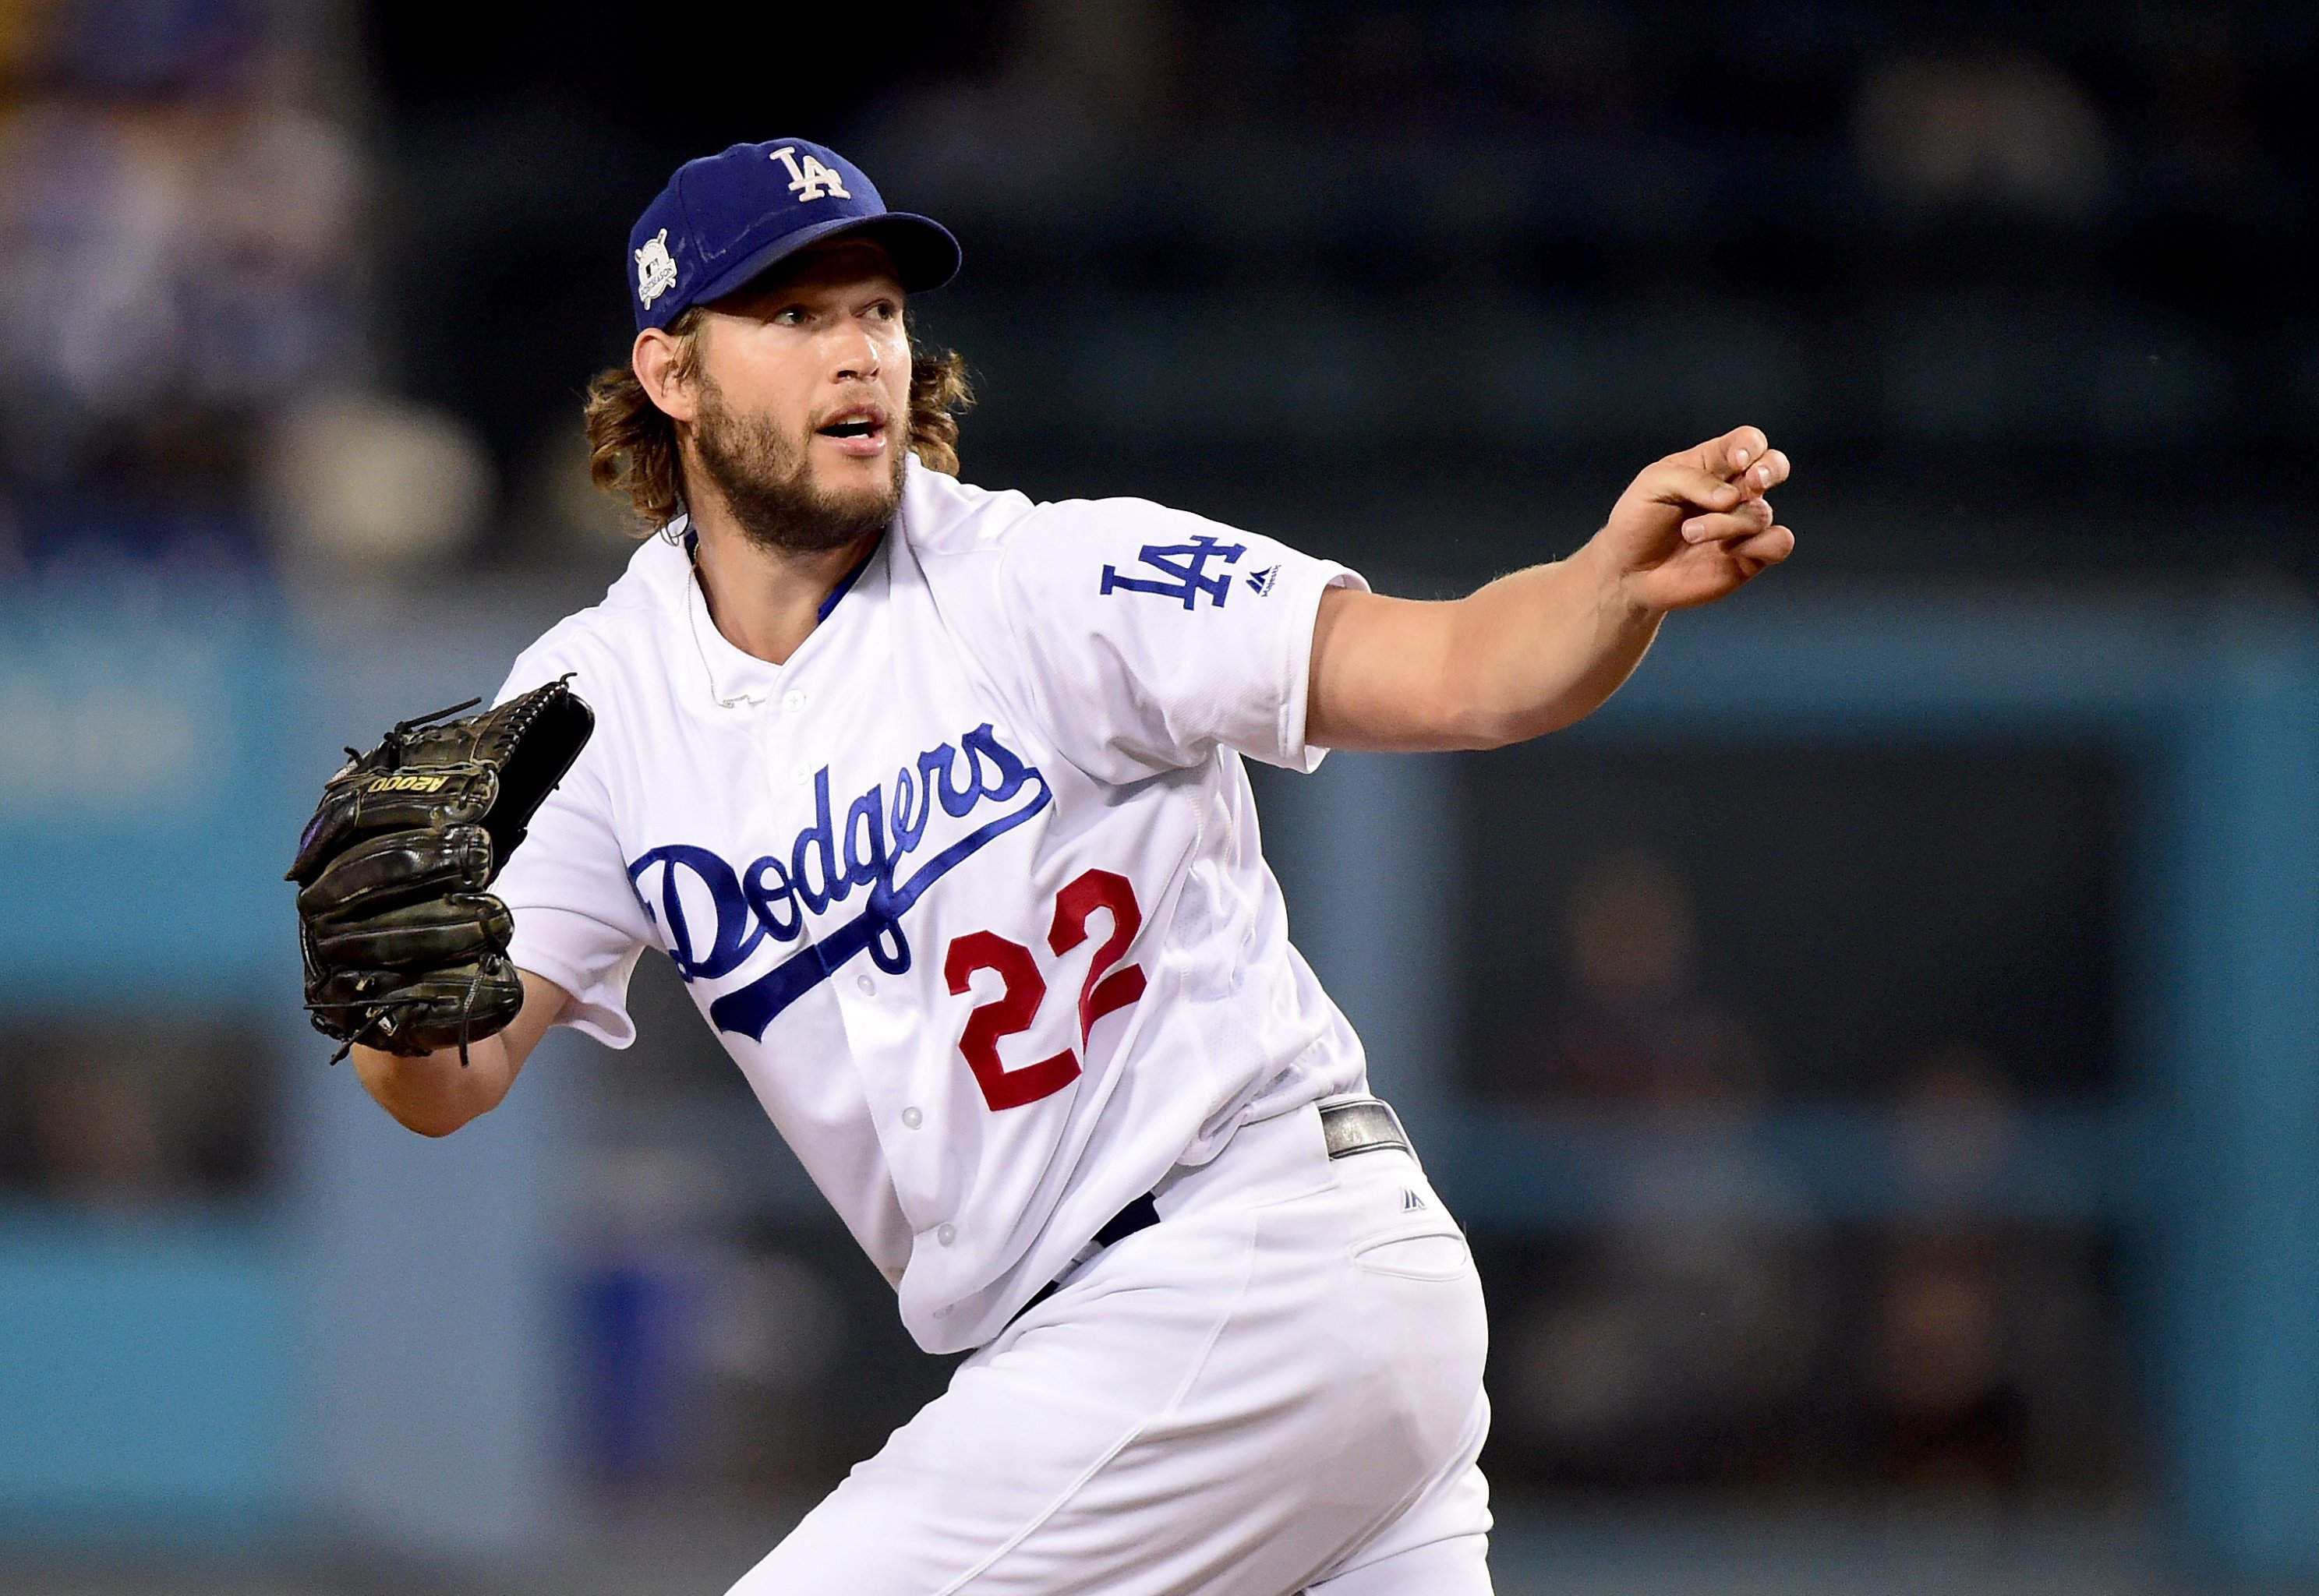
{"points": [[655, 270], [810, 180]]}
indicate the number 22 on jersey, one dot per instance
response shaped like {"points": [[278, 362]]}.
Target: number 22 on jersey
{"points": [[1023, 989]]}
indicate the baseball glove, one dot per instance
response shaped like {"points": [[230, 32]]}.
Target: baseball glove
{"points": [[404, 949]]}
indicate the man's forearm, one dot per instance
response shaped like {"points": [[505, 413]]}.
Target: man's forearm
{"points": [[1533, 652], [1526, 654]]}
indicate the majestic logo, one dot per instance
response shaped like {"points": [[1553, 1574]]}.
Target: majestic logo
{"points": [[809, 179], [655, 268], [1261, 581], [1184, 567], [771, 897]]}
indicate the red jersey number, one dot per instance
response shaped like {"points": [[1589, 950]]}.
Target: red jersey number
{"points": [[1100, 889], [1023, 989]]}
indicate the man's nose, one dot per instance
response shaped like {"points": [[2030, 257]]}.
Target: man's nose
{"points": [[854, 356]]}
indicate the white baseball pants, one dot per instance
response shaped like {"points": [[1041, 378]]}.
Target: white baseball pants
{"points": [[1277, 1389]]}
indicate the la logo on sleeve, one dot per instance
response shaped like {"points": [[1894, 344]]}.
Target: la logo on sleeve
{"points": [[1184, 574]]}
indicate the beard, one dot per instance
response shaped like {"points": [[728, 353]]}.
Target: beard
{"points": [[766, 480]]}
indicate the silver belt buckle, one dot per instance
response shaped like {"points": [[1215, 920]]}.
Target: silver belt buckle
{"points": [[1362, 1125]]}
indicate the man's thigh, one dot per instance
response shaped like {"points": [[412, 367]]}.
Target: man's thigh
{"points": [[988, 1487], [1440, 1546], [1221, 1404]]}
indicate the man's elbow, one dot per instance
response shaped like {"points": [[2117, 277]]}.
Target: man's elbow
{"points": [[437, 1125], [433, 1096], [434, 1119]]}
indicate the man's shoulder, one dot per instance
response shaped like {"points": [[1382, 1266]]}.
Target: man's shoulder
{"points": [[616, 637], [947, 516]]}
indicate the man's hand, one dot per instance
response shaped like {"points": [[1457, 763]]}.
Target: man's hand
{"points": [[1696, 525]]}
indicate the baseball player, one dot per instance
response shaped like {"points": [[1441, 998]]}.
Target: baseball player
{"points": [[934, 796]]}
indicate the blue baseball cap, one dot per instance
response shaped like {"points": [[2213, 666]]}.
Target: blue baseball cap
{"points": [[724, 218]]}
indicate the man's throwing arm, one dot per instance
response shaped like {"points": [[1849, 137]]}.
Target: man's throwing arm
{"points": [[1533, 652]]}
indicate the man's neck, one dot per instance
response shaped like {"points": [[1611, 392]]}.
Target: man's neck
{"points": [[765, 601]]}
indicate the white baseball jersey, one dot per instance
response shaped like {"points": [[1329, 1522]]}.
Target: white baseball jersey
{"points": [[970, 887]]}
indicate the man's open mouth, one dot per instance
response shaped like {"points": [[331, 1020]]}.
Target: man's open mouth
{"points": [[854, 426]]}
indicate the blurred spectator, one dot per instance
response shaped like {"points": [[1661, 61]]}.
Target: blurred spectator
{"points": [[1633, 1029], [125, 1115], [774, 1332], [698, 1343], [2011, 133], [1944, 1407], [644, 1296], [1984, 1350], [184, 262], [1691, 1326], [1683, 1345], [96, 1128], [1960, 1130], [361, 482]]}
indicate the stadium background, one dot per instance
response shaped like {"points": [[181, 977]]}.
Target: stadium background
{"points": [[1877, 1059]]}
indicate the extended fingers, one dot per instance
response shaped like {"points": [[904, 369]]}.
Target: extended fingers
{"points": [[1678, 482], [1744, 455], [1749, 516], [1769, 471], [1729, 455], [1772, 544]]}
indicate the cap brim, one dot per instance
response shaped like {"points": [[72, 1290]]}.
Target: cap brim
{"points": [[925, 255]]}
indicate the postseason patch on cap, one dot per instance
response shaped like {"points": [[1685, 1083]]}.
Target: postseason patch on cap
{"points": [[655, 270]]}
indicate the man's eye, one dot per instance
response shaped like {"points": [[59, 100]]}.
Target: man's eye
{"points": [[793, 317]]}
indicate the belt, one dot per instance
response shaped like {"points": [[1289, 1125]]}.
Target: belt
{"points": [[1351, 1125], [1362, 1125]]}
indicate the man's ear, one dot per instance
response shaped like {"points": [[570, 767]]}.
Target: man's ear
{"points": [[658, 360]]}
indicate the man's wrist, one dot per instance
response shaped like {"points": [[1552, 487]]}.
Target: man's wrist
{"points": [[1616, 599]]}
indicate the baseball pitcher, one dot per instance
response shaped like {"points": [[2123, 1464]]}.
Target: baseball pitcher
{"points": [[934, 796]]}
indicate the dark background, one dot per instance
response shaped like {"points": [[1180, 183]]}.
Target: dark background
{"points": [[2060, 321], [305, 300]]}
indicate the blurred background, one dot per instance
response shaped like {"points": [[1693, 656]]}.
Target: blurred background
{"points": [[1877, 1059]]}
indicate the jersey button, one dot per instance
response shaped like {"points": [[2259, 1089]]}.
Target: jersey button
{"points": [[911, 1119], [866, 984], [801, 776], [946, 1234], [793, 701]]}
